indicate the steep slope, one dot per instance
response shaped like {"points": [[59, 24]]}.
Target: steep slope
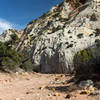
{"points": [[53, 39]]}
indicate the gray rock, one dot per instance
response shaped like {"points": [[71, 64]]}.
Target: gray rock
{"points": [[95, 93], [85, 84]]}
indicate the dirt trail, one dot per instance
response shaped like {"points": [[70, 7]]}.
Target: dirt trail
{"points": [[37, 87]]}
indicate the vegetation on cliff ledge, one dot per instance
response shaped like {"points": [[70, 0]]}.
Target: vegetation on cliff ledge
{"points": [[13, 60], [87, 61]]}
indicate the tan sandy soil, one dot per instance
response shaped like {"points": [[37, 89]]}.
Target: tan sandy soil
{"points": [[39, 87]]}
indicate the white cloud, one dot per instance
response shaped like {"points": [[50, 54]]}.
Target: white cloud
{"points": [[4, 25]]}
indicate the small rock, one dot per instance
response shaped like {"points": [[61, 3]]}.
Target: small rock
{"points": [[26, 73], [29, 92], [68, 96], [42, 87], [94, 93], [93, 17], [27, 78], [85, 84], [56, 94], [32, 88], [49, 95], [91, 88], [83, 92], [86, 91]]}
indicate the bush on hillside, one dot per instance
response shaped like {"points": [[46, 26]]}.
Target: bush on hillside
{"points": [[97, 32], [12, 60], [9, 59], [87, 61]]}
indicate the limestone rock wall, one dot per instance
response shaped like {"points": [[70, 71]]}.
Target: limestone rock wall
{"points": [[54, 38]]}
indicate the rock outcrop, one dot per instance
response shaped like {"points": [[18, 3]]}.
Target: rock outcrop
{"points": [[53, 39], [6, 35]]}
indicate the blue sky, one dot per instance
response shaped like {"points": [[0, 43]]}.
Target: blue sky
{"points": [[18, 13]]}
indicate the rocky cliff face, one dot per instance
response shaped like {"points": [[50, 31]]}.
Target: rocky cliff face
{"points": [[53, 39]]}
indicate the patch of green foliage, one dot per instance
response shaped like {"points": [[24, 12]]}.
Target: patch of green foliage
{"points": [[70, 46], [69, 32], [36, 68], [33, 21], [9, 58], [27, 66], [83, 61], [97, 41], [43, 15], [14, 37], [13, 60], [97, 32], [67, 43], [70, 36], [80, 35]]}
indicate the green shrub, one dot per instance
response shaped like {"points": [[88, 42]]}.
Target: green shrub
{"points": [[84, 55], [70, 46], [69, 32], [80, 35], [8, 63], [13, 55], [3, 49], [14, 37], [43, 15], [83, 61], [12, 60], [70, 36], [31, 22], [9, 59], [97, 41], [27, 66], [67, 43], [97, 32], [36, 68]]}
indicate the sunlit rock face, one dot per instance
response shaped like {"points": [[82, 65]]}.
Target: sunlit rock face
{"points": [[53, 39], [6, 35], [97, 1]]}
